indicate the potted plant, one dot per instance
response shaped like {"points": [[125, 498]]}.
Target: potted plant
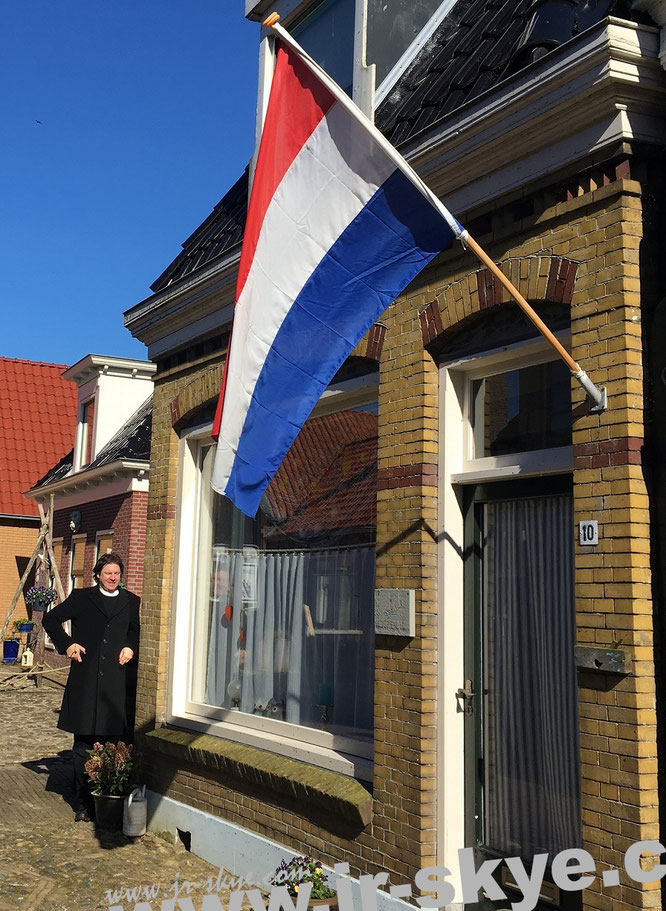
{"points": [[23, 625], [110, 770], [306, 869], [40, 598], [10, 650]]}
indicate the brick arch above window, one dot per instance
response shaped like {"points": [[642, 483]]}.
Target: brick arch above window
{"points": [[545, 278], [196, 402]]}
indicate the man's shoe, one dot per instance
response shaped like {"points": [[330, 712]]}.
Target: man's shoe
{"points": [[82, 815]]}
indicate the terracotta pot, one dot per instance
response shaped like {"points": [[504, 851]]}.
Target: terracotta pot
{"points": [[109, 811]]}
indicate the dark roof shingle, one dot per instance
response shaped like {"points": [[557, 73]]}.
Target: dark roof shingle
{"points": [[131, 443], [477, 45], [219, 233]]}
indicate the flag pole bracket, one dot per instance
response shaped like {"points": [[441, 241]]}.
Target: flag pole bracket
{"points": [[596, 395]]}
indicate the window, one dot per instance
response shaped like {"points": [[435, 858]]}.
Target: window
{"points": [[516, 408], [282, 630], [87, 426], [327, 34], [525, 408], [77, 558], [104, 544], [392, 26]]}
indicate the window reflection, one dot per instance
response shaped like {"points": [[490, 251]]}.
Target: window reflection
{"points": [[284, 614], [522, 410], [327, 34]]}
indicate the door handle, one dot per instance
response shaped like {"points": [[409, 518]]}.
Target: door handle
{"points": [[465, 696]]}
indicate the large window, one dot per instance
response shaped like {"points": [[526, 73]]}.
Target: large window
{"points": [[282, 627]]}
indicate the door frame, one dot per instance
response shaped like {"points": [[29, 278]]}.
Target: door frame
{"points": [[475, 497], [456, 472]]}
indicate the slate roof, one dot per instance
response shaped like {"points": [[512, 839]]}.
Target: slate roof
{"points": [[477, 45], [130, 443], [220, 232], [37, 422]]}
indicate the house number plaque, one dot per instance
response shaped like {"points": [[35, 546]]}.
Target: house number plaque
{"points": [[588, 532]]}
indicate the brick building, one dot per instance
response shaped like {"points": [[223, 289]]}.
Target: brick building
{"points": [[37, 419], [100, 486], [520, 716]]}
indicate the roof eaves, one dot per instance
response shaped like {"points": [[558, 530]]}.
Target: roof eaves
{"points": [[87, 476]]}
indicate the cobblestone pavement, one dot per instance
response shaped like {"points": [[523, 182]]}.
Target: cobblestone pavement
{"points": [[47, 861]]}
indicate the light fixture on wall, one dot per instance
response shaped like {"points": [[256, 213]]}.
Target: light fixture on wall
{"points": [[75, 521]]}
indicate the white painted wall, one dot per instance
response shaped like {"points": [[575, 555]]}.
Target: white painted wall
{"points": [[117, 398]]}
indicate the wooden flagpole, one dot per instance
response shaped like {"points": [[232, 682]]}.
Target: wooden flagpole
{"points": [[597, 396]]}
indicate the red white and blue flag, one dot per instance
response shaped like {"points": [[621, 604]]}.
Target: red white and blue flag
{"points": [[335, 231]]}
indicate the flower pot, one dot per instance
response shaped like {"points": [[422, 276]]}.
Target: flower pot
{"points": [[109, 811], [10, 650], [331, 903], [25, 627]]}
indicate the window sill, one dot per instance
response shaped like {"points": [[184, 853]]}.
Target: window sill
{"points": [[321, 791]]}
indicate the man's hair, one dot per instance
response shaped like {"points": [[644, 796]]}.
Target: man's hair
{"points": [[104, 560]]}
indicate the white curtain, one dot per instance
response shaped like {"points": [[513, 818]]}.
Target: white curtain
{"points": [[531, 756], [292, 630]]}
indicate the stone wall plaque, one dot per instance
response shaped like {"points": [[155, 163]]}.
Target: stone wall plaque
{"points": [[395, 612]]}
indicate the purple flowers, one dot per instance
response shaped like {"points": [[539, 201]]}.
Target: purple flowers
{"points": [[300, 870], [40, 597]]}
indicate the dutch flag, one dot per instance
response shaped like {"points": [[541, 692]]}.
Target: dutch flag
{"points": [[335, 231]]}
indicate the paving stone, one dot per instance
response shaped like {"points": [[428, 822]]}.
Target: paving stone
{"points": [[47, 861]]}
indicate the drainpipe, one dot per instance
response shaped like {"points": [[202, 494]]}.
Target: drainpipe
{"points": [[657, 10]]}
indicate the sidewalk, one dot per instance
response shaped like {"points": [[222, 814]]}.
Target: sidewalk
{"points": [[47, 861]]}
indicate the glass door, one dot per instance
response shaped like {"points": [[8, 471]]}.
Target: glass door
{"points": [[522, 763]]}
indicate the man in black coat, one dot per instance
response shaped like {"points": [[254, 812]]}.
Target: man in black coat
{"points": [[104, 639]]}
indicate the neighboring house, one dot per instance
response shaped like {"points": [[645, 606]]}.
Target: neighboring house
{"points": [[100, 487], [37, 420], [515, 710]]}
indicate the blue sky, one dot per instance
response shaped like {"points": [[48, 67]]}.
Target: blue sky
{"points": [[147, 116]]}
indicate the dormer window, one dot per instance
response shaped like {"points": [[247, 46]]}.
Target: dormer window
{"points": [[327, 34], [86, 433], [345, 35]]}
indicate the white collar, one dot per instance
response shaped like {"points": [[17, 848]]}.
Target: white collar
{"points": [[109, 594]]}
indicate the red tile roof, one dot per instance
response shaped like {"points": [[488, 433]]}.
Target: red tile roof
{"points": [[37, 423]]}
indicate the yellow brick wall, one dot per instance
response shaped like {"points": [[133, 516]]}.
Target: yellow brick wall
{"points": [[601, 230], [16, 541]]}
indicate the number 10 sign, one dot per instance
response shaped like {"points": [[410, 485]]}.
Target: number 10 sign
{"points": [[588, 532]]}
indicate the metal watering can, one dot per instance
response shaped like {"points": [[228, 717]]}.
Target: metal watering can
{"points": [[135, 812]]}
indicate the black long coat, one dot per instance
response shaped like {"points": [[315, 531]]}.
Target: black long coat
{"points": [[94, 699]]}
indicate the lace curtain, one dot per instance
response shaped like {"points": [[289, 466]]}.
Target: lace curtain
{"points": [[292, 631]]}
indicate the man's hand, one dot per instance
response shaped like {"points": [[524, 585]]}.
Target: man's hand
{"points": [[126, 655], [75, 651]]}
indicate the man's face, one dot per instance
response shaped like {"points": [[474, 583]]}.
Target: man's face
{"points": [[109, 577], [219, 584]]}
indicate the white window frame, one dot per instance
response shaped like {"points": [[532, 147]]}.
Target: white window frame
{"points": [[533, 463], [346, 755], [85, 433], [457, 467]]}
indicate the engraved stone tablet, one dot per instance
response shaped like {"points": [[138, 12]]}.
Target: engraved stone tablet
{"points": [[394, 612]]}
